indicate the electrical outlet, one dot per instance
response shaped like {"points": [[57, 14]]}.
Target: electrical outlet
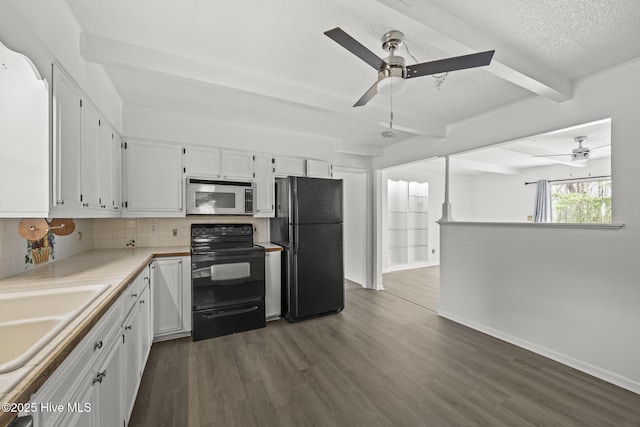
{"points": [[154, 228], [433, 251], [174, 232]]}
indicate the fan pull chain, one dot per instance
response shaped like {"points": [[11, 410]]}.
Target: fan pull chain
{"points": [[391, 105]]}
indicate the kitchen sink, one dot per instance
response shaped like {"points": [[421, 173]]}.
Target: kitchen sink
{"points": [[30, 320]]}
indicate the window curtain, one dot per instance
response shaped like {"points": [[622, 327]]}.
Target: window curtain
{"points": [[542, 206]]}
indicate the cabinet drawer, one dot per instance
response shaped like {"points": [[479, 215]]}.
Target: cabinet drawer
{"points": [[130, 296], [228, 320], [61, 387]]}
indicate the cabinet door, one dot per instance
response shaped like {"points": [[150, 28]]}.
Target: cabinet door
{"points": [[287, 166], [90, 157], [319, 169], [88, 394], [117, 171], [264, 186], [109, 399], [154, 178], [107, 169], [272, 299], [146, 334], [202, 162], [237, 165], [166, 284], [131, 356], [67, 123]]}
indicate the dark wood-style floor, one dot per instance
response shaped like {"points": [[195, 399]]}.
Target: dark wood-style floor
{"points": [[418, 285], [383, 361]]}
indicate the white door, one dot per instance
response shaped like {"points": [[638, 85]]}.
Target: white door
{"points": [[264, 186], [166, 285], [355, 224], [67, 112], [90, 157], [154, 177]]}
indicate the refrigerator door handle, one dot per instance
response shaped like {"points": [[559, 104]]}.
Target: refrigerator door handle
{"points": [[296, 240]]}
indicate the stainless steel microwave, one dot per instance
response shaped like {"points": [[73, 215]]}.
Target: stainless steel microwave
{"points": [[219, 197]]}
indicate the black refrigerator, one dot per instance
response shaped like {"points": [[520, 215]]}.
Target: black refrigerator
{"points": [[308, 224]]}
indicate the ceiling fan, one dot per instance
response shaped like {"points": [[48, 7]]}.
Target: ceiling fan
{"points": [[392, 69], [577, 154]]}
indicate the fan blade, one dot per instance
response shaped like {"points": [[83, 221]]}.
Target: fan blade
{"points": [[597, 148], [553, 155], [355, 47], [450, 64], [373, 90]]}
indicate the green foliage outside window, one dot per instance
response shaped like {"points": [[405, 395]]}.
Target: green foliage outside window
{"points": [[581, 202]]}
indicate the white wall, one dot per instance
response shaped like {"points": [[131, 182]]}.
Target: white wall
{"points": [[355, 224], [163, 125], [569, 293]]}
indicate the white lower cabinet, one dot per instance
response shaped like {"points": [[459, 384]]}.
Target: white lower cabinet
{"points": [[72, 390], [96, 385], [132, 359], [273, 285], [171, 295]]}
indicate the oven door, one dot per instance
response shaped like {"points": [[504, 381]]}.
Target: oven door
{"points": [[227, 277], [215, 199]]}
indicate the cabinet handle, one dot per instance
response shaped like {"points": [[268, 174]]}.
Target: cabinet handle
{"points": [[141, 301], [103, 373], [97, 379], [85, 205], [97, 345], [127, 327], [103, 206], [134, 295]]}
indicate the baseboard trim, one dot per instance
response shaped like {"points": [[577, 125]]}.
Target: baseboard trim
{"points": [[603, 374]]}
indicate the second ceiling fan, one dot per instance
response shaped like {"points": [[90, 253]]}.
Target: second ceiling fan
{"points": [[393, 67]]}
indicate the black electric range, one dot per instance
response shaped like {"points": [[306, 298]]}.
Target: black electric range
{"points": [[227, 280]]}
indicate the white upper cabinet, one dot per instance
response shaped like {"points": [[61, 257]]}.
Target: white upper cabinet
{"points": [[107, 167], [24, 132], [237, 165], [67, 136], [264, 186], [319, 169], [117, 172], [86, 161], [90, 157], [202, 162], [154, 180], [289, 166]]}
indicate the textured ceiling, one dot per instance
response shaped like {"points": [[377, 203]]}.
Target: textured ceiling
{"points": [[268, 63]]}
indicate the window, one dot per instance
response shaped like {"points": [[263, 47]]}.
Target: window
{"points": [[584, 201]]}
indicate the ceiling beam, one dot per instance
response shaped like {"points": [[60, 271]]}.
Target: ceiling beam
{"points": [[459, 38], [111, 52], [474, 165]]}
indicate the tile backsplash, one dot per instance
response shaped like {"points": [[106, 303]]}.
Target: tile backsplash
{"points": [[110, 233], [13, 248], [145, 232]]}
